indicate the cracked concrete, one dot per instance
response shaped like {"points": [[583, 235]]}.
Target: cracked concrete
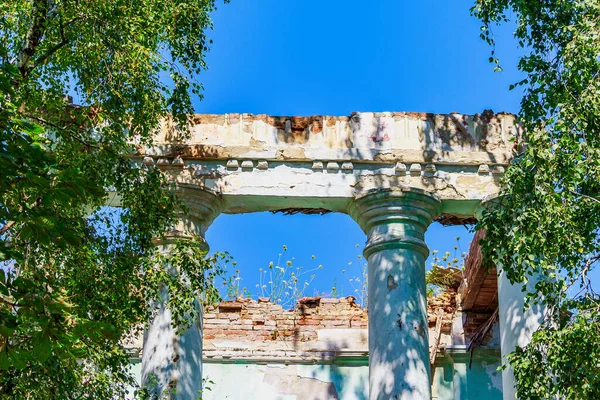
{"points": [[265, 163], [394, 173]]}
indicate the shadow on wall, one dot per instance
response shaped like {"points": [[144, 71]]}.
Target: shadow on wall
{"points": [[439, 134], [516, 324], [349, 377], [520, 324], [348, 383]]}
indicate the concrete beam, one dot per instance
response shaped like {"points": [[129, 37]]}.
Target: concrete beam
{"points": [[262, 163]]}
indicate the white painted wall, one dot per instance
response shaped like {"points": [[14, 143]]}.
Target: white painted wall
{"points": [[516, 325]]}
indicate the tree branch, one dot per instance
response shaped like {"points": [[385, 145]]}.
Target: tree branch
{"points": [[584, 196], [63, 42], [6, 227], [40, 60], [34, 35], [73, 136]]}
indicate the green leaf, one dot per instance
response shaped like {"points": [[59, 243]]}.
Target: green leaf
{"points": [[43, 349], [19, 358], [4, 361]]}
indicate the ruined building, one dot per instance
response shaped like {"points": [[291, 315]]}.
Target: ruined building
{"points": [[394, 174]]}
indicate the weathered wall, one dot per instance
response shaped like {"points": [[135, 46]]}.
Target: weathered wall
{"points": [[316, 325], [458, 376], [287, 382], [249, 320], [319, 351], [452, 379], [380, 136], [259, 162]]}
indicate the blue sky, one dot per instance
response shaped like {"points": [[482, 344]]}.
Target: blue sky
{"points": [[304, 57]]}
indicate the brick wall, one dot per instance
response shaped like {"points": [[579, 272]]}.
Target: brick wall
{"points": [[473, 322], [264, 321], [259, 321], [318, 329]]}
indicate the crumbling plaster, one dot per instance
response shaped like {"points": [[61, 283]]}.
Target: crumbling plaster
{"points": [[326, 355], [393, 172], [260, 163]]}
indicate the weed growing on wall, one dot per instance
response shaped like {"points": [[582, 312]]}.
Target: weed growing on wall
{"points": [[284, 282], [446, 270]]}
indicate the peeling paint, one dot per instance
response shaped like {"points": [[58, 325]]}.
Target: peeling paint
{"points": [[442, 154], [391, 283], [399, 321], [424, 165]]}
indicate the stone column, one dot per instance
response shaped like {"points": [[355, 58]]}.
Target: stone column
{"points": [[395, 221], [171, 360], [516, 325]]}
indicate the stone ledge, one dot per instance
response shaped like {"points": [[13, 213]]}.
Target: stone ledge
{"points": [[231, 135]]}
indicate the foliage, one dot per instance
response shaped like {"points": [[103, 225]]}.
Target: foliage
{"points": [[73, 286], [547, 219], [146, 393], [285, 283], [568, 353], [445, 272], [359, 284]]}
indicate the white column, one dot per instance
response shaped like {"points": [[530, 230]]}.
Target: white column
{"points": [[516, 325], [395, 221], [171, 360]]}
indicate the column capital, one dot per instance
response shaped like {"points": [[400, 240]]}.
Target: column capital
{"points": [[202, 207], [395, 217]]}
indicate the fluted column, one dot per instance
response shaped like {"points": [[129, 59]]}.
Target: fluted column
{"points": [[172, 360], [395, 221]]}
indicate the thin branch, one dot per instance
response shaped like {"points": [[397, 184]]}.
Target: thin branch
{"points": [[584, 196], [63, 42], [6, 227], [43, 121], [481, 333], [581, 275]]}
